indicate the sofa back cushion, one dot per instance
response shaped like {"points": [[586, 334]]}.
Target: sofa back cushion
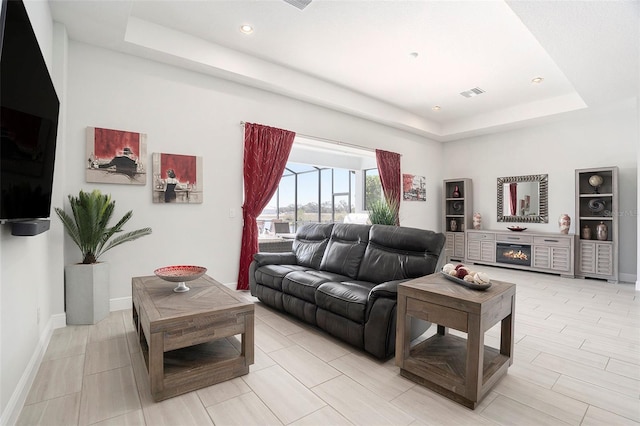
{"points": [[396, 253], [345, 249], [311, 242]]}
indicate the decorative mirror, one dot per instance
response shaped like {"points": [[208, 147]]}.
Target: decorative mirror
{"points": [[523, 199]]}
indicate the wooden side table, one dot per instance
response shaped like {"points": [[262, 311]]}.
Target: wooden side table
{"points": [[461, 369]]}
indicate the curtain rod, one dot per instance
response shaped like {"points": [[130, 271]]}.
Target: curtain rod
{"points": [[333, 141]]}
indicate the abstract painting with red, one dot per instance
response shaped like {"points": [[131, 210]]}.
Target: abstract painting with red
{"points": [[116, 156], [177, 178]]}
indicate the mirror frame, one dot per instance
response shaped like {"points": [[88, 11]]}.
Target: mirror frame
{"points": [[543, 181]]}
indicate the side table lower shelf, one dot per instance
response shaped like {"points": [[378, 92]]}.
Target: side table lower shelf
{"points": [[440, 364]]}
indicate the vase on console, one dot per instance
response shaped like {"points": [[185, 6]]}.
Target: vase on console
{"points": [[477, 221], [456, 192], [564, 222], [602, 231]]}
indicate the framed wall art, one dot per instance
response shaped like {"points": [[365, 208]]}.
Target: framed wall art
{"points": [[116, 156], [414, 188], [177, 178]]}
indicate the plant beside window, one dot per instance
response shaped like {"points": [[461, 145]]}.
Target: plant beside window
{"points": [[89, 226], [382, 212]]}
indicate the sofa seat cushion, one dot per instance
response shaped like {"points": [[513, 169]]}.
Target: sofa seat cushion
{"points": [[347, 299], [302, 285], [272, 275]]}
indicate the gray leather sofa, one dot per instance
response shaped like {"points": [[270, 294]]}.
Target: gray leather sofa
{"points": [[343, 278]]}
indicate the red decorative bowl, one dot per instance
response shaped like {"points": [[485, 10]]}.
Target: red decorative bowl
{"points": [[180, 274], [515, 228]]}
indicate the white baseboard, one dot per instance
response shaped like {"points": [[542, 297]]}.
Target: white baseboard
{"points": [[120, 304], [19, 396], [628, 278]]}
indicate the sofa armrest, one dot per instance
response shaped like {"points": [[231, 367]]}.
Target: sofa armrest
{"points": [[387, 289], [286, 258]]}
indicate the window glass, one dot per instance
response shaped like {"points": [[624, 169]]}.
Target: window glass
{"points": [[372, 187], [341, 207], [308, 209], [287, 200], [340, 180], [326, 195]]}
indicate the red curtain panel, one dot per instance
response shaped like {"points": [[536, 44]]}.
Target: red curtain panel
{"points": [[389, 170], [266, 150]]}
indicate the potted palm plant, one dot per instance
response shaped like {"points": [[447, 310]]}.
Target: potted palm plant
{"points": [[87, 283]]}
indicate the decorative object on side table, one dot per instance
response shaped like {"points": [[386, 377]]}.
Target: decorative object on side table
{"points": [[465, 276], [596, 182], [477, 221], [564, 223], [87, 283], [586, 232], [180, 274], [515, 228], [456, 192], [602, 231]]}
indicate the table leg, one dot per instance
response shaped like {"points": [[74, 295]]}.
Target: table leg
{"points": [[248, 337], [156, 364], [506, 333], [475, 358], [442, 330], [403, 332]]}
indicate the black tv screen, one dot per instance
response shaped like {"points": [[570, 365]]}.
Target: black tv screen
{"points": [[28, 120]]}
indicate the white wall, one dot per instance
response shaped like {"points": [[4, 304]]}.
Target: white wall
{"points": [[183, 112], [31, 279], [592, 139]]}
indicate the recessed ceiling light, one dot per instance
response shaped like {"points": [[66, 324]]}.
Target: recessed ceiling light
{"points": [[247, 29], [436, 108], [537, 80]]}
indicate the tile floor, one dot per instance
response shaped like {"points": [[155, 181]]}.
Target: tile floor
{"points": [[577, 362]]}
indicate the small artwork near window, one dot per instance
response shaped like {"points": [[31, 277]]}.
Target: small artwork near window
{"points": [[116, 156], [177, 178], [414, 188]]}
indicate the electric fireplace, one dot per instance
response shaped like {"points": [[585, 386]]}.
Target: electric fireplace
{"points": [[515, 254]]}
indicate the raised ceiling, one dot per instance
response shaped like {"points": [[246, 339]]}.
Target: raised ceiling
{"points": [[391, 61]]}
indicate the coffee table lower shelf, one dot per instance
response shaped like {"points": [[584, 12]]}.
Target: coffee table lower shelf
{"points": [[194, 367]]}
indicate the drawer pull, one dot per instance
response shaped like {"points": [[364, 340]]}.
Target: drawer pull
{"points": [[513, 238], [551, 241]]}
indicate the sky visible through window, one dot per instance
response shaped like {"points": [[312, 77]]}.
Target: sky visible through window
{"points": [[308, 191]]}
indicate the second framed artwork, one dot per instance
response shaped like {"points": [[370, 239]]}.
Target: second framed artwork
{"points": [[177, 178], [414, 188]]}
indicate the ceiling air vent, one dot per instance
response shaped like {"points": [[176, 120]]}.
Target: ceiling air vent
{"points": [[300, 4], [471, 92]]}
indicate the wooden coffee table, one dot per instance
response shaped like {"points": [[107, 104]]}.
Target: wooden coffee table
{"points": [[188, 339], [461, 369]]}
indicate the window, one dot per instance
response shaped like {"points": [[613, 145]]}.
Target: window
{"points": [[310, 194], [372, 187]]}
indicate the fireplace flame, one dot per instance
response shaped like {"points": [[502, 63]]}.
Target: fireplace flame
{"points": [[512, 254]]}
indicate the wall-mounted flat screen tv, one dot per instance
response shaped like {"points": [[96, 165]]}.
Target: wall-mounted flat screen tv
{"points": [[28, 120]]}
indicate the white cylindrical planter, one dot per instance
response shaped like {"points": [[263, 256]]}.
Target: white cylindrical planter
{"points": [[86, 293]]}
